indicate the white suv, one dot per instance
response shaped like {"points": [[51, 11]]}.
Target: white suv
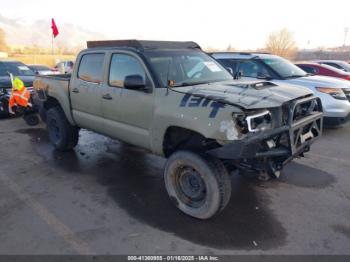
{"points": [[334, 93]]}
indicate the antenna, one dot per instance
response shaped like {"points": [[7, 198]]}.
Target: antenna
{"points": [[168, 82]]}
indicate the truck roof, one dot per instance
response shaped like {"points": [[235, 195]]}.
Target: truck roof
{"points": [[143, 44]]}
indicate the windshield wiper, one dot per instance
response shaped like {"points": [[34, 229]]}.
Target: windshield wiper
{"points": [[294, 76], [190, 84], [265, 77]]}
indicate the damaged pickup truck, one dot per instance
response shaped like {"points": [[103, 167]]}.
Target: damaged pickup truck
{"points": [[175, 101]]}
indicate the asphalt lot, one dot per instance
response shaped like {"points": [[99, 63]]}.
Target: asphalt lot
{"points": [[108, 198]]}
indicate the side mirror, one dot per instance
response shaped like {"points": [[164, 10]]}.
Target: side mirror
{"points": [[238, 75], [134, 82]]}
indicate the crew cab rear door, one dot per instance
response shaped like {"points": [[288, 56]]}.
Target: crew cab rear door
{"points": [[130, 117], [86, 91]]}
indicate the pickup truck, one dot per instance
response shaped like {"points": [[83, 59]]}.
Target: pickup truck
{"points": [[178, 102]]}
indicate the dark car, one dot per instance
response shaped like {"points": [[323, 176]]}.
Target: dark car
{"points": [[16, 69], [323, 70]]}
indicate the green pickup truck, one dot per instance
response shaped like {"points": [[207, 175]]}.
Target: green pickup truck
{"points": [[176, 101]]}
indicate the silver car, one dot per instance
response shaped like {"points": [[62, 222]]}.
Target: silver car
{"points": [[342, 65], [334, 93]]}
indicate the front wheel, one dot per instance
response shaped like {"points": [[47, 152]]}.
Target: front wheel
{"points": [[199, 185]]}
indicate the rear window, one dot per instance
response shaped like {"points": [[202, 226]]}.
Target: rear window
{"points": [[91, 68]]}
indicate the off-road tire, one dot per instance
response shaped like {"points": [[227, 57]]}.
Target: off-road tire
{"points": [[212, 175], [62, 134]]}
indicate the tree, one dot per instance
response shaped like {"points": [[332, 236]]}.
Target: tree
{"points": [[282, 43], [3, 46]]}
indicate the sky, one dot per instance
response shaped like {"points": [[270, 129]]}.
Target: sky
{"points": [[242, 24]]}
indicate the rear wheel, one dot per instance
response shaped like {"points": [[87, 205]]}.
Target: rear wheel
{"points": [[62, 134], [199, 185]]}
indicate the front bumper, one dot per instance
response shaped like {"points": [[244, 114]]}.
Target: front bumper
{"points": [[333, 122], [282, 143], [334, 108]]}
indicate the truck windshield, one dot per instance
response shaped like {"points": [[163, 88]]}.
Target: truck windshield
{"points": [[283, 67], [15, 68], [186, 67]]}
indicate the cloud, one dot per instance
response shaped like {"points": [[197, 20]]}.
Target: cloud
{"points": [[20, 32]]}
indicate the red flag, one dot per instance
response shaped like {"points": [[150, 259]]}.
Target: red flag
{"points": [[54, 28]]}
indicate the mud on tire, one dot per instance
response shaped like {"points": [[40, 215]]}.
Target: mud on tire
{"points": [[198, 185], [62, 134]]}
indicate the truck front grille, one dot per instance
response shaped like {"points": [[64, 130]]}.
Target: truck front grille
{"points": [[305, 107]]}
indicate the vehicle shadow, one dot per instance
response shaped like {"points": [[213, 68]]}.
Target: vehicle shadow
{"points": [[305, 176], [134, 180]]}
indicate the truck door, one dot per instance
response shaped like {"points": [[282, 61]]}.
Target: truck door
{"points": [[131, 117], [85, 92]]}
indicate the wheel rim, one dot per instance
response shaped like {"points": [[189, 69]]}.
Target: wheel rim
{"points": [[54, 130], [190, 186]]}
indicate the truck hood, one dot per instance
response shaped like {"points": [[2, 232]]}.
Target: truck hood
{"points": [[319, 81], [5, 81], [246, 94]]}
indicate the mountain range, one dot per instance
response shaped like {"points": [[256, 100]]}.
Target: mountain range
{"points": [[23, 33]]}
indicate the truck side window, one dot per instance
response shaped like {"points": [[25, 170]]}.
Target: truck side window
{"points": [[123, 65], [91, 68]]}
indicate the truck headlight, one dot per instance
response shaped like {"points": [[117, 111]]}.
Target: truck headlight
{"points": [[337, 93], [259, 121], [255, 122]]}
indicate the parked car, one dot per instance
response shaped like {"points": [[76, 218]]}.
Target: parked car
{"points": [[342, 65], [323, 70], [17, 69], [43, 70], [334, 93], [65, 67], [176, 101]]}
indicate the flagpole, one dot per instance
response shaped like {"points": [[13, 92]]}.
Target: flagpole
{"points": [[52, 45]]}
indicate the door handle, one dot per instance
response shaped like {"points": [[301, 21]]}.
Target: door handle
{"points": [[107, 97], [75, 90]]}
